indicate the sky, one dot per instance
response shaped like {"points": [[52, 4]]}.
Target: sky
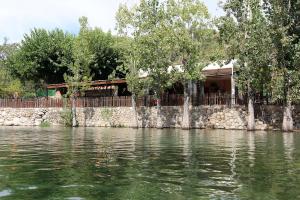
{"points": [[18, 17]]}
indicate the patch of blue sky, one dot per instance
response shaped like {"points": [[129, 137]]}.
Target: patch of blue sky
{"points": [[19, 17]]}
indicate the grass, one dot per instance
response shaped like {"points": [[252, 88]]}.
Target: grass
{"points": [[45, 124]]}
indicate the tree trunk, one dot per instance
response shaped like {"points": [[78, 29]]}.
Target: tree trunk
{"points": [[251, 119], [73, 110], [186, 108], [133, 98], [159, 123], [287, 123]]}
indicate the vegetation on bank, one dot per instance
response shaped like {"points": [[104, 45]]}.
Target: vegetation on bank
{"points": [[158, 36]]}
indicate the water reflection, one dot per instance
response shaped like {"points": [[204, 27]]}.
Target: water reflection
{"points": [[288, 141], [251, 148], [95, 163]]}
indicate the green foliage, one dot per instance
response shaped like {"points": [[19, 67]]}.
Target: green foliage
{"points": [[193, 36], [6, 50], [9, 86], [151, 50], [131, 66], [106, 54], [45, 124], [78, 77], [96, 55], [47, 57], [106, 114], [166, 33], [246, 38], [29, 89], [66, 117], [283, 17], [43, 57]]}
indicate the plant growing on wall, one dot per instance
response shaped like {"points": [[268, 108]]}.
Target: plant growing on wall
{"points": [[45, 124], [107, 114], [66, 116]]}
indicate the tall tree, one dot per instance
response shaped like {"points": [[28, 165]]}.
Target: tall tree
{"points": [[43, 57], [190, 22], [10, 86], [246, 37], [146, 23], [106, 54], [283, 16], [78, 76], [130, 66]]}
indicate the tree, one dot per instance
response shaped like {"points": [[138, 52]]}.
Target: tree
{"points": [[130, 67], [78, 76], [10, 86], [245, 34], [283, 16], [106, 54], [153, 38], [190, 22], [43, 57]]}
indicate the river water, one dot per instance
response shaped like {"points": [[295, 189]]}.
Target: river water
{"points": [[98, 163]]}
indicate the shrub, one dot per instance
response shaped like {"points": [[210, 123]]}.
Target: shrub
{"points": [[66, 116], [45, 124], [106, 114]]}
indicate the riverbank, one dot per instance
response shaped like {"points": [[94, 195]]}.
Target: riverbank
{"points": [[213, 117]]}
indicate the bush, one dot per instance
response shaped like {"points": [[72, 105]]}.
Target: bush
{"points": [[45, 124], [106, 114], [66, 116]]}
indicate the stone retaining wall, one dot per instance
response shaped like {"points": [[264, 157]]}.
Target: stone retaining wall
{"points": [[218, 117]]}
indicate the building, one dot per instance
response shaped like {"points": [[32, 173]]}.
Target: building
{"points": [[217, 88]]}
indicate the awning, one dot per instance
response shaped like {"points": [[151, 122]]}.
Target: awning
{"points": [[103, 83]]}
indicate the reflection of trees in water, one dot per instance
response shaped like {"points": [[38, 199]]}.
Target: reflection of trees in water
{"points": [[288, 142], [98, 163], [271, 173], [251, 148]]}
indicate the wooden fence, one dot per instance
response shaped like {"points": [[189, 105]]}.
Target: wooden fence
{"points": [[116, 101], [31, 103]]}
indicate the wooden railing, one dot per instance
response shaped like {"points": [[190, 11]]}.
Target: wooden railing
{"points": [[31, 103], [116, 101]]}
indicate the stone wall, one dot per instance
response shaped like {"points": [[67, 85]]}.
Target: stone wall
{"points": [[218, 117]]}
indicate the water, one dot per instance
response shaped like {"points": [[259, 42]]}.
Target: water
{"points": [[95, 163]]}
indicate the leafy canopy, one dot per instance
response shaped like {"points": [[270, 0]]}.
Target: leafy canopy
{"points": [[43, 57]]}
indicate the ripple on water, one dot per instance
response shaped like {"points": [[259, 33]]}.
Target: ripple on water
{"points": [[75, 185], [29, 188], [5, 193], [147, 164]]}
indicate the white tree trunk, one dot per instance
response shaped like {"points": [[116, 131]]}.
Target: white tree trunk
{"points": [[73, 109], [186, 124], [133, 98], [159, 122], [251, 119], [287, 123]]}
